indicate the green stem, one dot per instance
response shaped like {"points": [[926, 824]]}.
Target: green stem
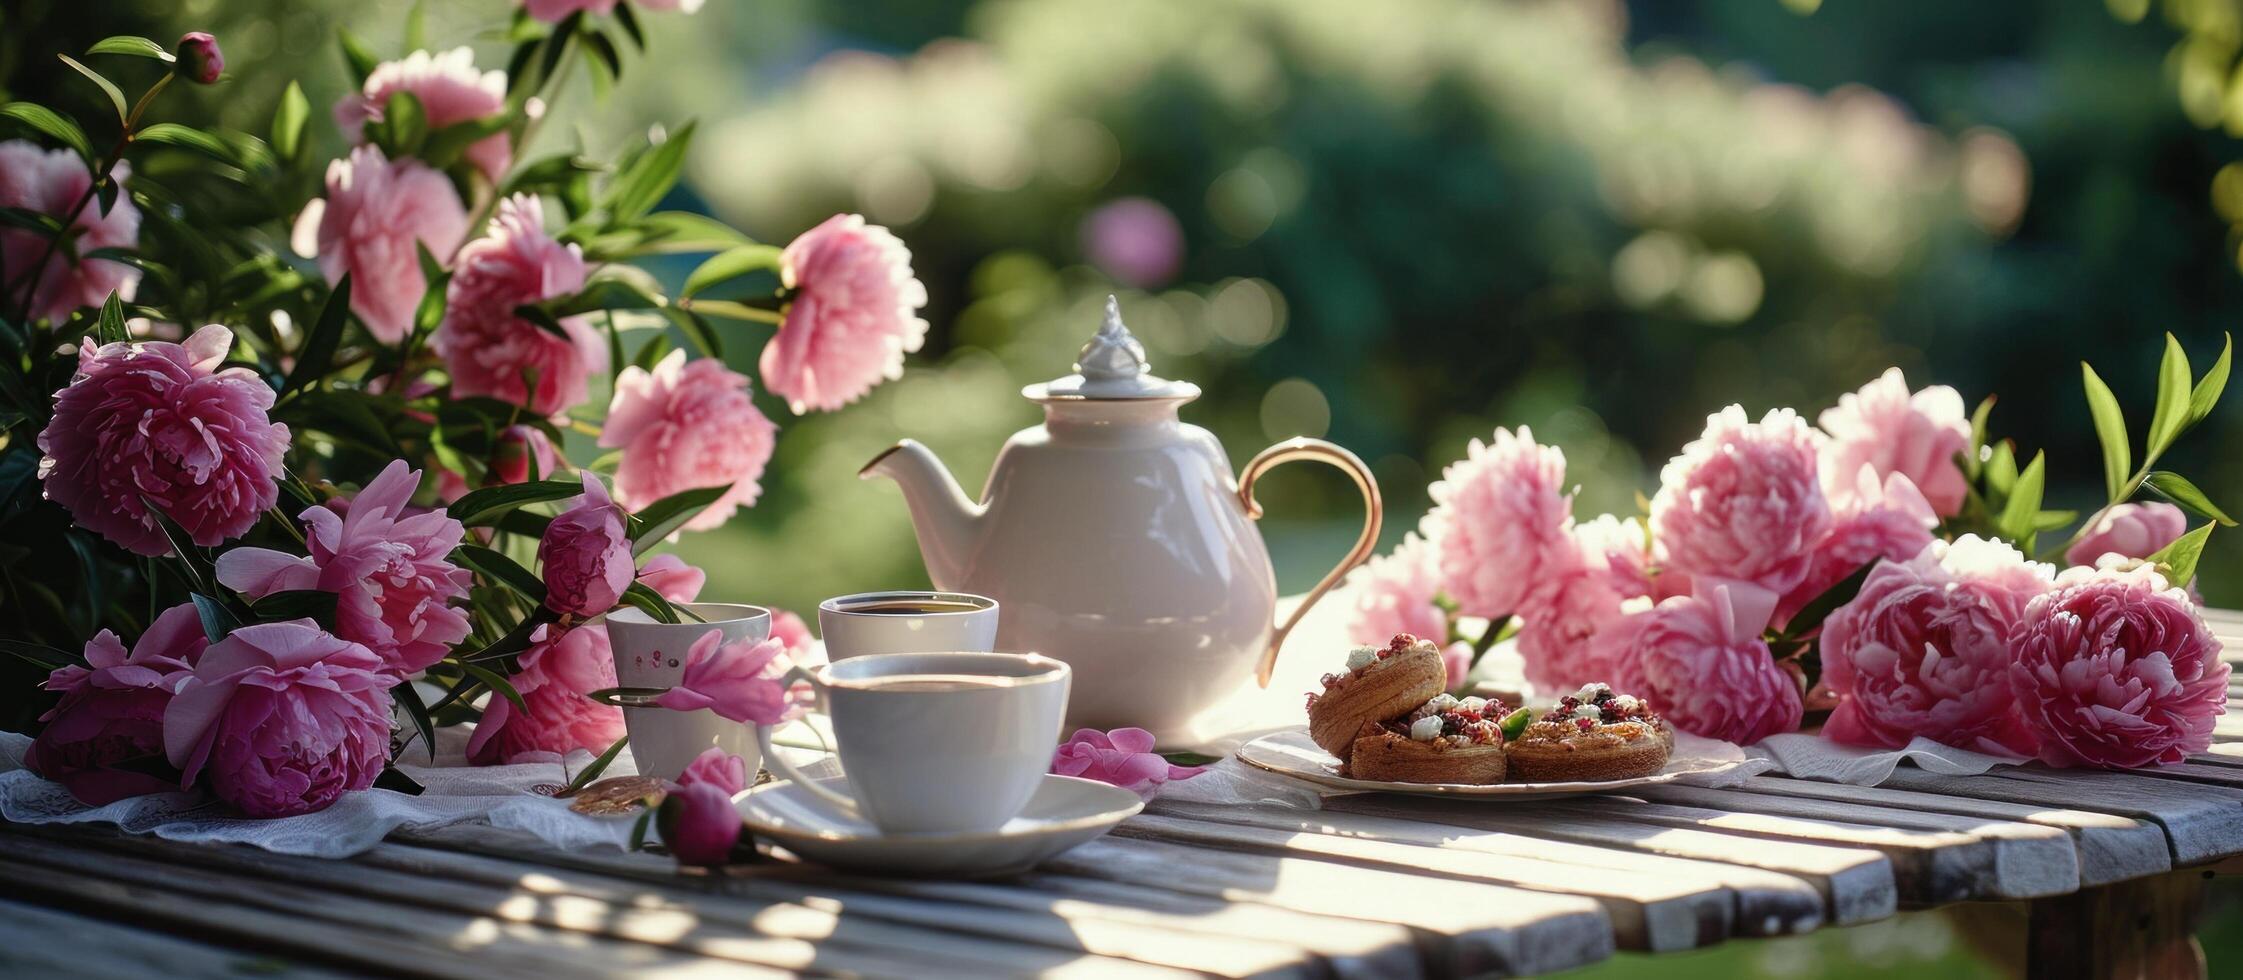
{"points": [[1487, 639], [104, 173]]}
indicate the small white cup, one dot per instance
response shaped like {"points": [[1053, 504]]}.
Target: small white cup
{"points": [[936, 742], [856, 625], [650, 653]]}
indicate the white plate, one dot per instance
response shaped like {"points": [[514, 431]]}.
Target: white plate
{"points": [[1293, 753], [1064, 812]]}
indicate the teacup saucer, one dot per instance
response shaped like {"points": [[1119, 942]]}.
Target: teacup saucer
{"points": [[1064, 812]]}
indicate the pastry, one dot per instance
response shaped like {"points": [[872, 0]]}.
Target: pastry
{"points": [[1446, 740], [1378, 685], [1592, 735]]}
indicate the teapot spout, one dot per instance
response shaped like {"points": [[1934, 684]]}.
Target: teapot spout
{"points": [[946, 522]]}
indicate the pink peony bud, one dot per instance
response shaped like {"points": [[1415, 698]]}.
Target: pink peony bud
{"points": [[281, 718], [1123, 757], [2130, 530], [718, 768], [2115, 669], [699, 825], [524, 453], [738, 680], [112, 714], [200, 61], [586, 553]]}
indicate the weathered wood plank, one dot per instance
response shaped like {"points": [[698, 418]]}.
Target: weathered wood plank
{"points": [[1765, 903], [1929, 867], [2029, 860], [2141, 928], [1350, 947], [44, 942], [1464, 928], [2111, 848], [2212, 774], [1856, 883], [1648, 912], [769, 934], [2201, 823], [360, 936]]}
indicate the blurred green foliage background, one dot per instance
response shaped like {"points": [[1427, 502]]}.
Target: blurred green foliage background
{"points": [[1398, 225]]}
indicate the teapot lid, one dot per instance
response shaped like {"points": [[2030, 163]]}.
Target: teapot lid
{"points": [[1111, 366]]}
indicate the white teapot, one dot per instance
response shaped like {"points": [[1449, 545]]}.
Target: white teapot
{"points": [[1114, 538]]}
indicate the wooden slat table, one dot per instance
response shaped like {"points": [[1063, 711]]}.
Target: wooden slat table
{"points": [[2112, 865]]}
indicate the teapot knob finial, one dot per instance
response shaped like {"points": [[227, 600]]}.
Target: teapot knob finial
{"points": [[1112, 353]]}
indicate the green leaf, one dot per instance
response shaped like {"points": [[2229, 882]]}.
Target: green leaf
{"points": [[41, 655], [357, 56], [2024, 504], [480, 507], [2208, 388], [188, 138], [730, 264], [110, 328], [217, 620], [515, 641], [629, 21], [1974, 461], [406, 123], [288, 122], [606, 294], [646, 817], [2181, 557], [410, 697], [107, 87], [598, 766], [127, 44], [2177, 488], [660, 519], [416, 26], [318, 352], [639, 188], [2110, 429], [505, 571], [1810, 616], [651, 352], [604, 49], [52, 124], [697, 331], [2049, 520], [639, 596], [36, 222], [2001, 469], [2172, 400], [312, 604], [445, 145], [544, 320], [497, 682], [395, 780]]}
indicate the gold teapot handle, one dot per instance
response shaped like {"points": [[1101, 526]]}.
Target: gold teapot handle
{"points": [[1374, 514]]}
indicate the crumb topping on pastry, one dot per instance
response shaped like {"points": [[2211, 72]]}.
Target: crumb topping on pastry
{"points": [[1364, 659], [1594, 717], [1454, 721]]}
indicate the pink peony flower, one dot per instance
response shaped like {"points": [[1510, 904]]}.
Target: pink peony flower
{"points": [[524, 453], [390, 570], [450, 91], [1619, 550], [1501, 516], [1123, 757], [675, 6], [281, 719], [1394, 593], [1924, 649], [675, 580], [49, 182], [684, 426], [586, 553], [558, 670], [2131, 530], [111, 715], [488, 349], [198, 59], [852, 317], [738, 680], [555, 11], [699, 825], [1889, 521], [1606, 567], [1741, 502], [1456, 662], [1916, 436], [718, 768], [374, 212], [1135, 240], [151, 422], [1700, 662], [2115, 669], [790, 630]]}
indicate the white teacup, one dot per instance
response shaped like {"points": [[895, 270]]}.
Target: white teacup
{"points": [[650, 653], [907, 622], [936, 742]]}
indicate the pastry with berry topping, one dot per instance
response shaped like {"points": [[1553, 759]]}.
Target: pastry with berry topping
{"points": [[1592, 735], [1378, 684], [1446, 740]]}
